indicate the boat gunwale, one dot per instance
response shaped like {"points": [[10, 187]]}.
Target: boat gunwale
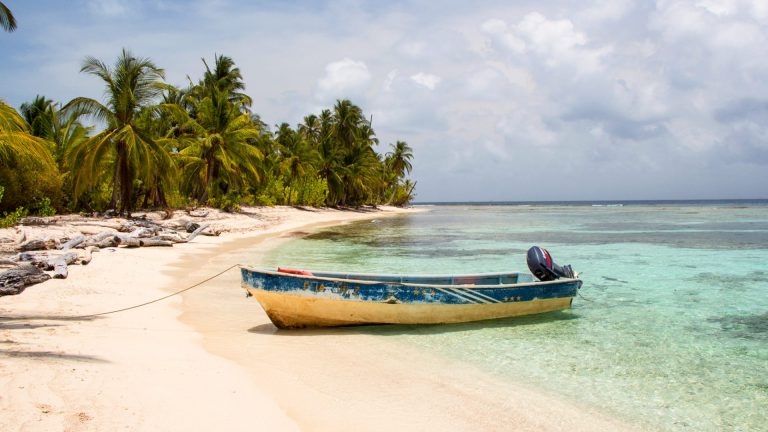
{"points": [[374, 282]]}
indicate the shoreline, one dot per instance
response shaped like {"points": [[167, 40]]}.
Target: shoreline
{"points": [[141, 369], [373, 386]]}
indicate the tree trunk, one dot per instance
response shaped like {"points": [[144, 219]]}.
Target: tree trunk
{"points": [[126, 180], [115, 187], [208, 181]]}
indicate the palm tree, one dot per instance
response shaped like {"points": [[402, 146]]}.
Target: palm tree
{"points": [[347, 119], [400, 158], [310, 129], [39, 115], [16, 141], [225, 78], [123, 149], [48, 121], [7, 21], [216, 148]]}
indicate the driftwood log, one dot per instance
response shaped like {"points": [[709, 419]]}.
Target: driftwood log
{"points": [[35, 256], [34, 220], [195, 233], [148, 242], [17, 279], [37, 244], [59, 264], [86, 257], [72, 243], [128, 241]]}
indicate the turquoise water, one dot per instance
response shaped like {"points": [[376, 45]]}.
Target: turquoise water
{"points": [[670, 331]]}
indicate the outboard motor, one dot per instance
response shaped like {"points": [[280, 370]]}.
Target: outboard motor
{"points": [[542, 266]]}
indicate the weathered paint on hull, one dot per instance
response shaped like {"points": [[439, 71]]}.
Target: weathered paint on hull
{"points": [[297, 311]]}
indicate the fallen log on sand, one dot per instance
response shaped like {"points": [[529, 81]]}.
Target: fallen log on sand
{"points": [[72, 243], [59, 264], [195, 233], [34, 255], [154, 242], [37, 244], [85, 259], [128, 241], [17, 279]]}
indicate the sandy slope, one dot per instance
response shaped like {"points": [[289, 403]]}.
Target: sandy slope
{"points": [[210, 359]]}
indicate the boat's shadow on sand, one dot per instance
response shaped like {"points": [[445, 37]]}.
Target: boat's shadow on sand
{"points": [[418, 329]]}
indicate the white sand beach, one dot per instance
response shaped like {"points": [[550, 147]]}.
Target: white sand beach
{"points": [[209, 359]]}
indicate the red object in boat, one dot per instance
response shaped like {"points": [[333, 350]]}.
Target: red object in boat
{"points": [[294, 271]]}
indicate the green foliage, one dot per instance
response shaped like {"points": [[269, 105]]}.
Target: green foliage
{"points": [[229, 203], [272, 194], [163, 147], [43, 207], [10, 219], [314, 193], [27, 183]]}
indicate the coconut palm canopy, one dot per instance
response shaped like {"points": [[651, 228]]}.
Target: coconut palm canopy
{"points": [[156, 145]]}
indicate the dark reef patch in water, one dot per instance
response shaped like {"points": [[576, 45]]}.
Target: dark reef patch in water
{"points": [[753, 326], [730, 281]]}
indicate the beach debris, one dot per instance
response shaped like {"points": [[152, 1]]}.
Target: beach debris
{"points": [[129, 241], [148, 242], [17, 279], [59, 264], [197, 213], [103, 240], [72, 243], [54, 249], [34, 220], [194, 233], [87, 255], [37, 244]]}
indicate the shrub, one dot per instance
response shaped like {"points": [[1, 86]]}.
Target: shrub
{"points": [[10, 219], [43, 207]]}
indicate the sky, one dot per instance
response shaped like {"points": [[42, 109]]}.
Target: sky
{"points": [[500, 100]]}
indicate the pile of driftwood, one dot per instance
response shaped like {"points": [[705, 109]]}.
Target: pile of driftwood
{"points": [[37, 256]]}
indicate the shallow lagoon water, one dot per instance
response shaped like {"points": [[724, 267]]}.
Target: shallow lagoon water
{"points": [[671, 327]]}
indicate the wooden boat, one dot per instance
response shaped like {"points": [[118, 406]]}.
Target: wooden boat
{"points": [[299, 298]]}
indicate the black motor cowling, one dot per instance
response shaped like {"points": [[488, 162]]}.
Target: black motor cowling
{"points": [[541, 264]]}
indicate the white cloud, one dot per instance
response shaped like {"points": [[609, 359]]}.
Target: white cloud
{"points": [[345, 78], [426, 80], [387, 87], [556, 41]]}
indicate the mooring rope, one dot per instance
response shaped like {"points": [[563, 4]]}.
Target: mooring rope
{"points": [[130, 307]]}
